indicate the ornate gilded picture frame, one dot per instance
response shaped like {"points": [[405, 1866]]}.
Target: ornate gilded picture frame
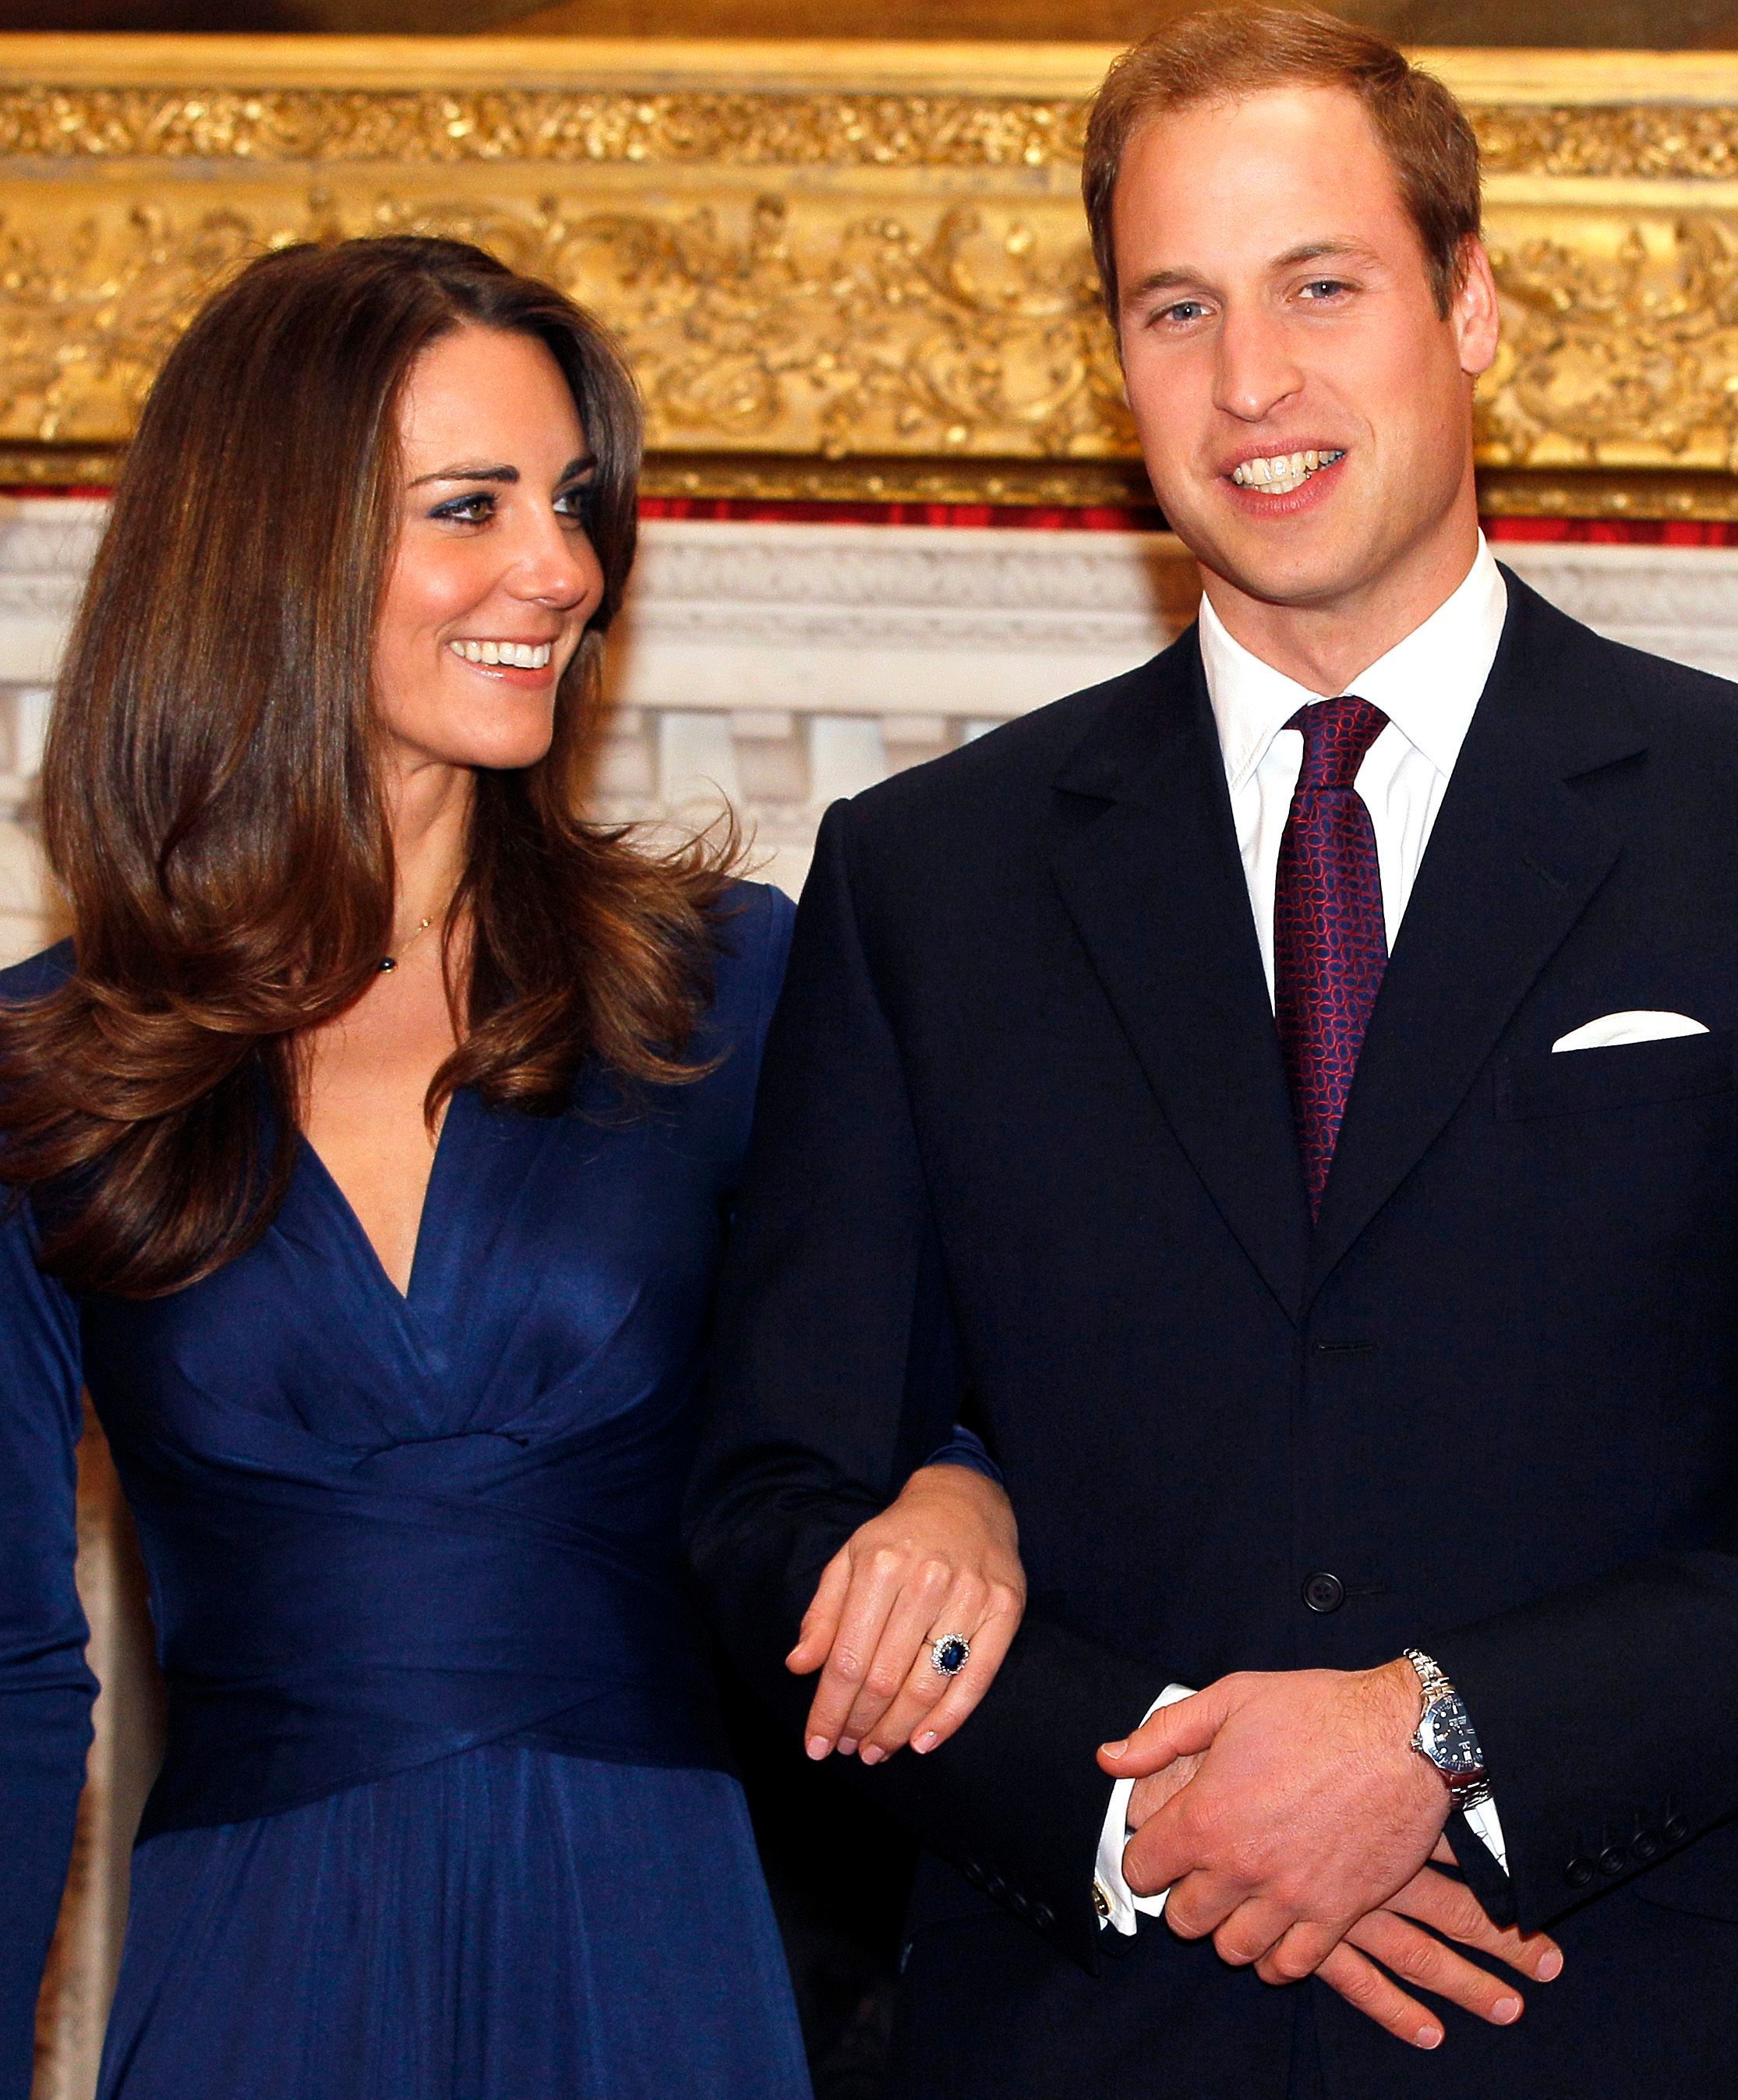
{"points": [[845, 270]]}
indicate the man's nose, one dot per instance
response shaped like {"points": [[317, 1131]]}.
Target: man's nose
{"points": [[1255, 368]]}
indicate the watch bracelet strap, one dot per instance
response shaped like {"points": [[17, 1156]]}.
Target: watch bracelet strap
{"points": [[1432, 1678], [1433, 1681]]}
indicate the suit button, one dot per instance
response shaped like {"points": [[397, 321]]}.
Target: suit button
{"points": [[1674, 1829], [974, 1873], [1644, 1846], [1578, 1873], [1019, 1905], [1613, 1859], [1324, 1593], [995, 1886], [1044, 1917]]}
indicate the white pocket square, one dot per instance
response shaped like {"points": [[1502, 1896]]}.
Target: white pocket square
{"points": [[1612, 1029]]}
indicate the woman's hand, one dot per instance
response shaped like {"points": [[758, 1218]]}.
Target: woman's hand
{"points": [[943, 1560]]}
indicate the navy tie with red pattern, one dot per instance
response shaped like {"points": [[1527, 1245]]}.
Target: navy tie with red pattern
{"points": [[1330, 944]]}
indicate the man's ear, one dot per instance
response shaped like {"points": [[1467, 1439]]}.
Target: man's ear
{"points": [[1474, 313]]}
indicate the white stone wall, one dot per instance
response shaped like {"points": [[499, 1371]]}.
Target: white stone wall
{"points": [[781, 666], [45, 548]]}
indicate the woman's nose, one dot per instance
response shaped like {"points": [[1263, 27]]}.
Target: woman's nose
{"points": [[558, 566]]}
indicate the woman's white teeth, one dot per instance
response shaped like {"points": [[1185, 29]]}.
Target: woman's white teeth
{"points": [[520, 656], [1281, 475]]}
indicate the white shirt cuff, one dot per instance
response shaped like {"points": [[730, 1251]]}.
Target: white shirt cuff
{"points": [[1117, 1905], [1488, 1829]]}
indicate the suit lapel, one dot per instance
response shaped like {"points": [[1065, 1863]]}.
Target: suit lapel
{"points": [[1157, 892], [1514, 859]]}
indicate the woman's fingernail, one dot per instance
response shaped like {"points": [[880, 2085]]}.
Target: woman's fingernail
{"points": [[1550, 1966], [926, 1741], [873, 1754], [818, 1747], [1505, 2010], [1428, 2037], [1114, 1750], [847, 1744]]}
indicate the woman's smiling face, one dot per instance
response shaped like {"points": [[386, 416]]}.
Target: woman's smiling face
{"points": [[494, 577]]}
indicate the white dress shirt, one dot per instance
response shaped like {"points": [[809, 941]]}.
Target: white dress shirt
{"points": [[1427, 686]]}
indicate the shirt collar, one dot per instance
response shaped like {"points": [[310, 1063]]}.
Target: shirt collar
{"points": [[1427, 685]]}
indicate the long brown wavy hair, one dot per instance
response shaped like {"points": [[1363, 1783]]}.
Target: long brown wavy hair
{"points": [[213, 799]]}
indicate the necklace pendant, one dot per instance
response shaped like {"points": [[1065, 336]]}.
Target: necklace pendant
{"points": [[389, 963]]}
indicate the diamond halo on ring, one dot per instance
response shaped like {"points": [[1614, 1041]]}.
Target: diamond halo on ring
{"points": [[950, 1655]]}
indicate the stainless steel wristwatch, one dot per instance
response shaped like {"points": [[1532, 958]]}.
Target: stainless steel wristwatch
{"points": [[1446, 1734]]}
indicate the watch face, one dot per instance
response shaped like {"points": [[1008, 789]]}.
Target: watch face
{"points": [[1445, 1735]]}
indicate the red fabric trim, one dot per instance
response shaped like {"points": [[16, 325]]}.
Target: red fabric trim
{"points": [[1619, 532], [27, 488], [1034, 518], [1104, 518]]}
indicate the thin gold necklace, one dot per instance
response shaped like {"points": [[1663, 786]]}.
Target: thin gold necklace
{"points": [[389, 963]]}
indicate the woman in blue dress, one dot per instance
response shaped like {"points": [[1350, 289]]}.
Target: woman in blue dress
{"points": [[370, 1167]]}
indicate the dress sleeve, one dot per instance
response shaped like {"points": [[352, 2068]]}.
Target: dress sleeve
{"points": [[966, 1448], [775, 956], [45, 1690]]}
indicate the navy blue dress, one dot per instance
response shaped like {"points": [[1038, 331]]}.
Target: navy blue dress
{"points": [[444, 1814]]}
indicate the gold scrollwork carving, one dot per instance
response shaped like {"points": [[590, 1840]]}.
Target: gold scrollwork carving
{"points": [[1673, 142], [738, 130], [751, 322], [1620, 346], [963, 331], [1682, 142]]}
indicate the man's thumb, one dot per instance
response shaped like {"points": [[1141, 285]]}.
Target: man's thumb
{"points": [[1183, 1725]]}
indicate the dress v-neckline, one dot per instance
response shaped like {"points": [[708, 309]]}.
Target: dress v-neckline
{"points": [[427, 1217]]}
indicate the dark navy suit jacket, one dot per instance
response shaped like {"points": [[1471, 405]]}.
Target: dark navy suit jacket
{"points": [[1024, 1152]]}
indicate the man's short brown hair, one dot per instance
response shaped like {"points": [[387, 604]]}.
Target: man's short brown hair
{"points": [[1228, 53]]}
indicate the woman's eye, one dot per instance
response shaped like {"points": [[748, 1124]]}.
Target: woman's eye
{"points": [[467, 509], [575, 501]]}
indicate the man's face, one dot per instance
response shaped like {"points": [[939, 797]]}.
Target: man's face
{"points": [[1275, 303]]}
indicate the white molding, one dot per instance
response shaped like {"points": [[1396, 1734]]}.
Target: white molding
{"points": [[892, 620], [1678, 601]]}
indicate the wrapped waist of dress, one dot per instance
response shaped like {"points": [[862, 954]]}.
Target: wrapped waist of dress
{"points": [[316, 1636]]}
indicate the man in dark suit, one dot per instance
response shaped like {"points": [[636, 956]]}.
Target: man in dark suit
{"points": [[1284, 1098]]}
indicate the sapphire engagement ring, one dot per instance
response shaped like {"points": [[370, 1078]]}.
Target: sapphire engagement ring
{"points": [[950, 1655]]}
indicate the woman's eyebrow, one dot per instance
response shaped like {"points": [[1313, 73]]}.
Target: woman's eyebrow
{"points": [[468, 473]]}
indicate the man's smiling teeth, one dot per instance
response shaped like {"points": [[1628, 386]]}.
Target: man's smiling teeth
{"points": [[520, 656], [1280, 476]]}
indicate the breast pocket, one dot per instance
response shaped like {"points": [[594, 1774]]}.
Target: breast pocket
{"points": [[1563, 1083]]}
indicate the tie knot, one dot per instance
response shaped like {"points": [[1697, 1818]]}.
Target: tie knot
{"points": [[1336, 735]]}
